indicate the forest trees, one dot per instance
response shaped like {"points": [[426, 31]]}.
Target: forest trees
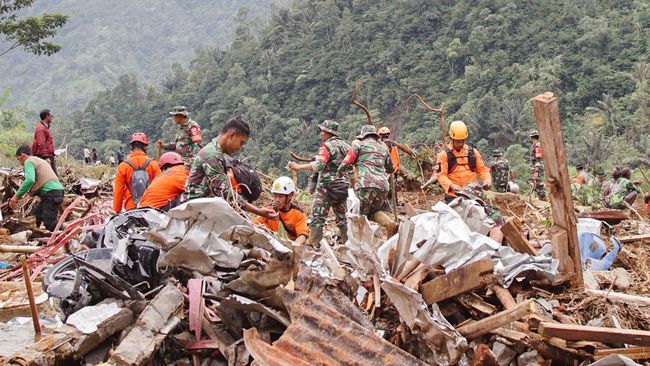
{"points": [[30, 32]]}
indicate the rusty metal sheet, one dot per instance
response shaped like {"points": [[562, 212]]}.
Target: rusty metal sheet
{"points": [[326, 329]]}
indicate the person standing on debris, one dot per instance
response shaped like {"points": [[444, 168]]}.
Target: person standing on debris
{"points": [[134, 175], [111, 160], [209, 175], [331, 191], [43, 144], [500, 170], [374, 163], [537, 165], [95, 156], [290, 218], [394, 147], [188, 138], [120, 155], [86, 156], [460, 164], [40, 180], [165, 191], [624, 191]]}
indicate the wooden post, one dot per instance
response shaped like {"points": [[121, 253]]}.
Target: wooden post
{"points": [[549, 126], [30, 295]]}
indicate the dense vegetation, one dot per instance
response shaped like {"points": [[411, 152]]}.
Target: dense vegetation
{"points": [[483, 59], [104, 39]]}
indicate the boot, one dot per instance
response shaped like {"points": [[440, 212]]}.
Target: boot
{"points": [[343, 233], [384, 219], [315, 236]]}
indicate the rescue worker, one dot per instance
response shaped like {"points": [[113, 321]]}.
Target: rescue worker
{"points": [[40, 180], [537, 165], [608, 186], [165, 191], [331, 191], [290, 217], [43, 144], [583, 176], [394, 147], [460, 164], [374, 164], [137, 160], [188, 138], [624, 191], [209, 175], [500, 171]]}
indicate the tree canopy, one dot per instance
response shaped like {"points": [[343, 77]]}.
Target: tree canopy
{"points": [[30, 32]]}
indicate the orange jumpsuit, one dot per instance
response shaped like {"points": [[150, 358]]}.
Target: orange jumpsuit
{"points": [[165, 188], [121, 190], [294, 221], [462, 175]]}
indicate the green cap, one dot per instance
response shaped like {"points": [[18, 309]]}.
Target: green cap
{"points": [[330, 126], [368, 130], [179, 110]]}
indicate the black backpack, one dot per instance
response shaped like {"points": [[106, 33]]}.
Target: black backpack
{"points": [[452, 161], [247, 179]]}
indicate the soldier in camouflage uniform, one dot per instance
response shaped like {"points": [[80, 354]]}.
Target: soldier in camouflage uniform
{"points": [[188, 138], [537, 166], [500, 170], [331, 191], [209, 176], [373, 160]]}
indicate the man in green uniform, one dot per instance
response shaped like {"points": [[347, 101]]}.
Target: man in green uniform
{"points": [[188, 138], [537, 165], [374, 164], [331, 191], [209, 176], [40, 180], [500, 170]]}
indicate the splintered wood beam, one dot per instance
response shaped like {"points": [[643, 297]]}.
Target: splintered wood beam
{"points": [[484, 326], [634, 353], [464, 279], [549, 126], [513, 232], [504, 296], [572, 332]]}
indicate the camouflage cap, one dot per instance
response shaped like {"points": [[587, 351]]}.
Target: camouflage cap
{"points": [[179, 110], [330, 126], [368, 130], [533, 133], [497, 152], [472, 191]]}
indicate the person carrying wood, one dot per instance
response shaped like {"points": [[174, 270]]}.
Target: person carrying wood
{"points": [[188, 137], [460, 164], [331, 190], [165, 190], [291, 219], [40, 180]]}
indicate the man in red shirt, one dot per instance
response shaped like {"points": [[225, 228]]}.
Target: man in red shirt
{"points": [[123, 198], [43, 144], [165, 190]]}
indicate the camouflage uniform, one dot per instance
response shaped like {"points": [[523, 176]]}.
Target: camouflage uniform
{"points": [[500, 170], [374, 164], [537, 170], [188, 138], [330, 155], [208, 175]]}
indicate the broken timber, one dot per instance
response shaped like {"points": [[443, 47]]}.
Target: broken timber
{"points": [[512, 230], [573, 332], [620, 297], [549, 126], [484, 326], [634, 353], [633, 238], [464, 279]]}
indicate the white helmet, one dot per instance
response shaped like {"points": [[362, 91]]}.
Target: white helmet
{"points": [[283, 185]]}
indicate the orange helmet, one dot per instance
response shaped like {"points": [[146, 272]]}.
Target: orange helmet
{"points": [[170, 158], [139, 137]]}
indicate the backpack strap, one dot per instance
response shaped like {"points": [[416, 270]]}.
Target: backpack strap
{"points": [[143, 167], [471, 158], [452, 160], [146, 164], [130, 164], [286, 228]]}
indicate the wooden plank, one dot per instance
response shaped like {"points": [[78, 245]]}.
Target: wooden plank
{"points": [[512, 231], [587, 333], [549, 126], [486, 325], [464, 279], [475, 302], [634, 353], [504, 296], [633, 238], [620, 297], [560, 249]]}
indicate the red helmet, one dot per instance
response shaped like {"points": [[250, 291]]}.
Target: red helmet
{"points": [[170, 158], [140, 137]]}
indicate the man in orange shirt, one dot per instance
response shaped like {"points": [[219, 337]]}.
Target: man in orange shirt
{"points": [[291, 217], [165, 191], [460, 164], [133, 175]]}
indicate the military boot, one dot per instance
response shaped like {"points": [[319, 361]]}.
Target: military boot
{"points": [[315, 236]]}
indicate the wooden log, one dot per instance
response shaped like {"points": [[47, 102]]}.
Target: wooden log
{"points": [[486, 325], [512, 231], [18, 248], [600, 334], [504, 296], [633, 238], [549, 126], [620, 297], [634, 353], [464, 279]]}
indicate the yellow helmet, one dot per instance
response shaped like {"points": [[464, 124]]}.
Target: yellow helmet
{"points": [[458, 130], [384, 131]]}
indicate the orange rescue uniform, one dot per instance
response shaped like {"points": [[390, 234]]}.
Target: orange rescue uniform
{"points": [[294, 221], [166, 187], [461, 175], [121, 190]]}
